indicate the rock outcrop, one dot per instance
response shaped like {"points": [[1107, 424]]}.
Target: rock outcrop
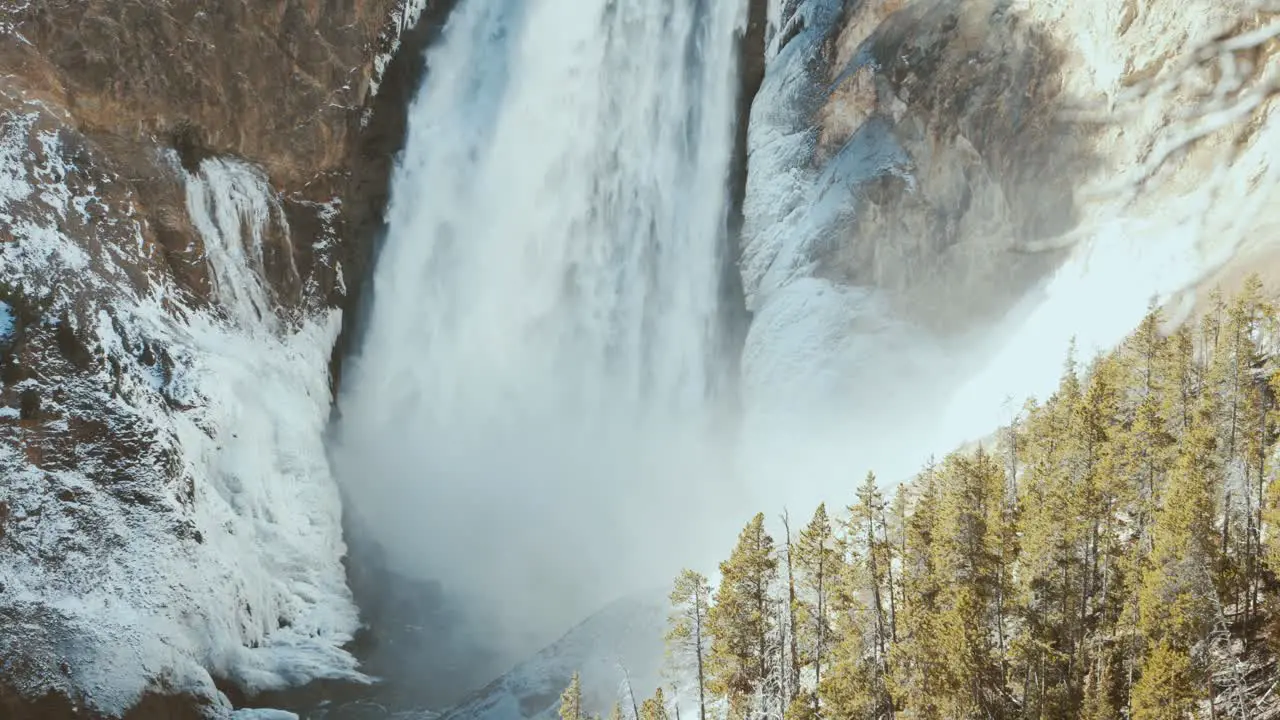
{"points": [[944, 193], [924, 126], [945, 153], [174, 243]]}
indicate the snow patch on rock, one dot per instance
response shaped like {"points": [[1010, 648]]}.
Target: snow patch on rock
{"points": [[404, 17], [783, 183], [263, 714], [170, 513]]}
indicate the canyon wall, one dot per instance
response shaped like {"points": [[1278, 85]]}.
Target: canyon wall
{"points": [[185, 189]]}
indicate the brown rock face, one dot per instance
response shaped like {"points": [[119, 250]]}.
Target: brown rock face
{"points": [[275, 81], [103, 105], [972, 93], [281, 84]]}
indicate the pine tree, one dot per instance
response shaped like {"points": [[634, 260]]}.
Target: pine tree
{"points": [[1215, 373], [654, 708], [854, 688], [1068, 501], [1100, 691], [740, 620], [964, 552], [873, 557], [817, 564], [1150, 444], [1167, 689], [1259, 320], [1145, 448], [1242, 408], [687, 628], [805, 707], [571, 700], [1105, 504], [918, 669], [1184, 378], [1271, 517], [1176, 606], [793, 611], [864, 533], [1106, 563], [896, 527]]}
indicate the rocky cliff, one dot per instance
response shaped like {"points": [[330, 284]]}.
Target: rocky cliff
{"points": [[942, 152], [184, 187], [945, 193]]}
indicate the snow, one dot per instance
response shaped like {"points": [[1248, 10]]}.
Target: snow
{"points": [[263, 714], [622, 642], [13, 140], [216, 551], [9, 15], [268, 507], [792, 246], [213, 550], [228, 201], [782, 184], [820, 356]]}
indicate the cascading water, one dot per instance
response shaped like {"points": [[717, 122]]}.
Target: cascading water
{"points": [[530, 416]]}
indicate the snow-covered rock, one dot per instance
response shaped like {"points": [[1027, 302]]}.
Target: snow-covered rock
{"points": [[616, 651], [981, 181], [168, 512], [169, 529]]}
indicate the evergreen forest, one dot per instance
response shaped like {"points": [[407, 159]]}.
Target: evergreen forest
{"points": [[1111, 553]]}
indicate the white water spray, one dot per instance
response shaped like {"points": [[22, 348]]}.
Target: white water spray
{"points": [[530, 417]]}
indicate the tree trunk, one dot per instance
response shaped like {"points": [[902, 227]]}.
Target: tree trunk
{"points": [[635, 708], [1257, 525], [791, 615], [893, 610], [873, 566], [821, 617], [698, 612]]}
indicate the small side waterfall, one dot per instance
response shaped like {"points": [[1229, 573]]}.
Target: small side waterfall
{"points": [[232, 206], [275, 607]]}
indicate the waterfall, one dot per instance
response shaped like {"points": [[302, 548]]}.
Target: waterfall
{"points": [[531, 415], [273, 607], [230, 201]]}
